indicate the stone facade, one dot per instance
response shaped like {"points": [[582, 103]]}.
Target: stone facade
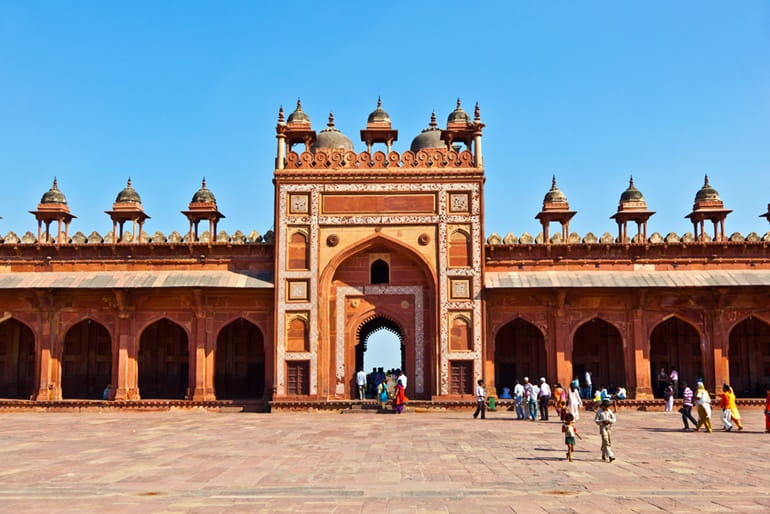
{"points": [[370, 240]]}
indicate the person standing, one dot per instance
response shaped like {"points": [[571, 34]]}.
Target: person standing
{"points": [[399, 399], [574, 402], [570, 432], [518, 400], [530, 393], [559, 400], [668, 394], [703, 401], [724, 402], [767, 410], [544, 398], [361, 383], [673, 378], [686, 409], [402, 379], [382, 393], [481, 400], [588, 384], [605, 418]]}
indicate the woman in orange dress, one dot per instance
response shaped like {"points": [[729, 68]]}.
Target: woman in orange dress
{"points": [[399, 400]]}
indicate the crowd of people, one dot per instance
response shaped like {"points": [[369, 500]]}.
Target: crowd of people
{"points": [[388, 387]]}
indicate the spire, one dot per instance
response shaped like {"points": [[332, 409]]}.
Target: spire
{"points": [[706, 181], [432, 120], [281, 119], [631, 182], [331, 120], [477, 113]]}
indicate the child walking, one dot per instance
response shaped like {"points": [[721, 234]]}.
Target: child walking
{"points": [[570, 432]]}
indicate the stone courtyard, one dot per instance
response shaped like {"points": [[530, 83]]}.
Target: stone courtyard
{"points": [[198, 461]]}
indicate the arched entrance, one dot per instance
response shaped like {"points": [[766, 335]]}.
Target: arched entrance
{"points": [[86, 361], [17, 360], [519, 353], [240, 361], [750, 357], [374, 325], [163, 361], [675, 344], [598, 347], [390, 286]]}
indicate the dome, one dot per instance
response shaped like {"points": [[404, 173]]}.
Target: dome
{"points": [[53, 195], [128, 195], [298, 116], [631, 194], [378, 115], [554, 195], [458, 115], [429, 138], [203, 194], [330, 137], [707, 193]]}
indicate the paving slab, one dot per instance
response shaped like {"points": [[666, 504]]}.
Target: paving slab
{"points": [[416, 462]]}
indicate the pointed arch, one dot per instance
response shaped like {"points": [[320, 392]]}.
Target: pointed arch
{"points": [[17, 360], [86, 360], [297, 332], [379, 272], [164, 361], [372, 241], [675, 343], [460, 333], [598, 347], [749, 357], [372, 322], [239, 368], [519, 352]]}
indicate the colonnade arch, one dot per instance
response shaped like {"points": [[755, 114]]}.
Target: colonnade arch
{"points": [[675, 344], [239, 369], [749, 356], [163, 361], [86, 362], [519, 352], [598, 348], [17, 360]]}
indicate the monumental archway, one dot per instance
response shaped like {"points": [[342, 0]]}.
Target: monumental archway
{"points": [[675, 344], [380, 284]]}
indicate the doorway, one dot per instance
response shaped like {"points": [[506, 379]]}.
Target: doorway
{"points": [[379, 349]]}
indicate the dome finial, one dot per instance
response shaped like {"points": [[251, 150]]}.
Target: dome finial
{"points": [[477, 113], [706, 180], [331, 120], [299, 104], [128, 184], [281, 119], [631, 181], [203, 182], [55, 184], [553, 183], [432, 122], [379, 102], [458, 102]]}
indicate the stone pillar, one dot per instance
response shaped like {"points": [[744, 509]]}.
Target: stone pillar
{"points": [[49, 388], [126, 375], [201, 380], [559, 365], [640, 346], [479, 157], [719, 343]]}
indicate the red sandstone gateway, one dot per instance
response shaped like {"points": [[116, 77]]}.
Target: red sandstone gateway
{"points": [[372, 240]]}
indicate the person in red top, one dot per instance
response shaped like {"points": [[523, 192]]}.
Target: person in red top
{"points": [[767, 410]]}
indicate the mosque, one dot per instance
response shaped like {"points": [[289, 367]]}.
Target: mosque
{"points": [[368, 241]]}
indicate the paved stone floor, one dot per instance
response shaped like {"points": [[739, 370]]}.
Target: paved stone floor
{"points": [[416, 462]]}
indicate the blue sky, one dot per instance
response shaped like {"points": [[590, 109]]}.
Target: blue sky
{"points": [[169, 92]]}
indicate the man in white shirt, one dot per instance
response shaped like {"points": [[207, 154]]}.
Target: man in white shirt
{"points": [[544, 399], [518, 400], [481, 400], [402, 378], [361, 383]]}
